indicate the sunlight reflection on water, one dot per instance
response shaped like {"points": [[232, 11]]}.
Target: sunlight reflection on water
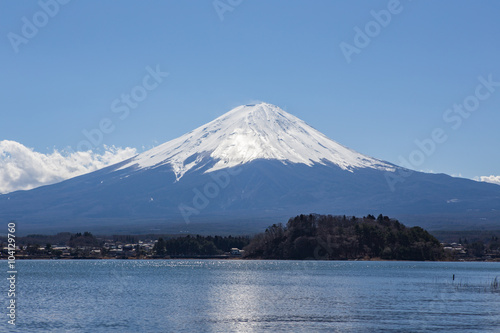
{"points": [[256, 296]]}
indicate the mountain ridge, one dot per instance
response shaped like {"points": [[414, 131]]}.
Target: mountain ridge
{"points": [[251, 167]]}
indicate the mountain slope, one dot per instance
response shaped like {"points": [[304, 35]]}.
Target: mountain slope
{"points": [[253, 166]]}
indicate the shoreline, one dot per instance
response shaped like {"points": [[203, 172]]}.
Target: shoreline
{"points": [[249, 259]]}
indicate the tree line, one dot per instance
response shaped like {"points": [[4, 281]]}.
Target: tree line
{"points": [[198, 245], [316, 237], [327, 237]]}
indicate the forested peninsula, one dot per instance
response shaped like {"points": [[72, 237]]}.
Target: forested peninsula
{"points": [[304, 237], [327, 237]]}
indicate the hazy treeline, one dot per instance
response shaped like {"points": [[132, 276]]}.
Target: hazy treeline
{"points": [[476, 242], [466, 236], [303, 237], [198, 245], [479, 248], [339, 237]]}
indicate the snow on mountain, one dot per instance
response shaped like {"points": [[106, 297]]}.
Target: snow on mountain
{"points": [[250, 132], [285, 166]]}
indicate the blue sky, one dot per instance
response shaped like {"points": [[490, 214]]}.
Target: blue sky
{"points": [[63, 78]]}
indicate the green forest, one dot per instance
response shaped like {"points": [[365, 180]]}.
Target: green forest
{"points": [[326, 237]]}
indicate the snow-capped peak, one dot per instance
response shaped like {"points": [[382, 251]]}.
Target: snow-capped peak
{"points": [[250, 132]]}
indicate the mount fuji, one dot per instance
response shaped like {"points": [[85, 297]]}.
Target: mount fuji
{"points": [[253, 166]]}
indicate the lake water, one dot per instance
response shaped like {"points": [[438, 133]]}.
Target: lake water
{"points": [[255, 296]]}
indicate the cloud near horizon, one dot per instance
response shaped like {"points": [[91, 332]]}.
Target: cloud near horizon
{"points": [[22, 168], [489, 179]]}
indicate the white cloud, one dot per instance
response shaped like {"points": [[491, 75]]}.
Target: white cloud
{"points": [[489, 179], [22, 168]]}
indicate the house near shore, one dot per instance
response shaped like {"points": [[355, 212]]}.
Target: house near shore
{"points": [[236, 252]]}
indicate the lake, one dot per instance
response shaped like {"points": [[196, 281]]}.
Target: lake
{"points": [[255, 296]]}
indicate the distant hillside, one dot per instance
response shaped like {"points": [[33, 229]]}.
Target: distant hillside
{"points": [[326, 237]]}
